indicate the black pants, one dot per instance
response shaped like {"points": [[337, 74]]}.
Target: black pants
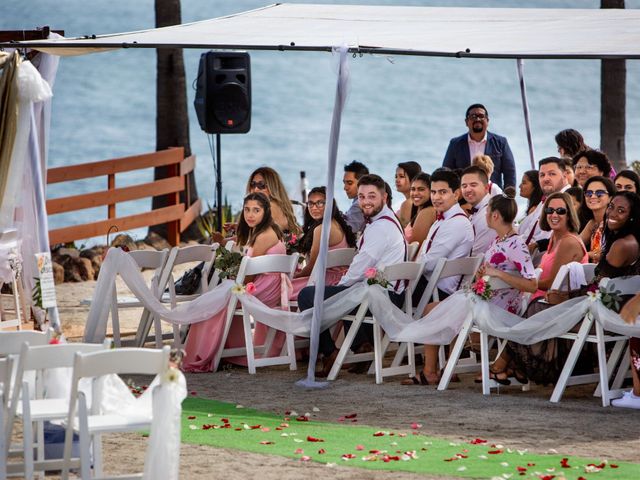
{"points": [[419, 290], [364, 334]]}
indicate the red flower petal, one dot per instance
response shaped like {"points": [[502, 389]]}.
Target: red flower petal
{"points": [[255, 427], [531, 464], [379, 434], [224, 420], [302, 418], [348, 456], [298, 451], [415, 425], [522, 469], [564, 463], [374, 452], [477, 441], [238, 429], [191, 417], [278, 428], [314, 439], [322, 451], [613, 465], [494, 452], [359, 447], [194, 393], [351, 415], [266, 442]]}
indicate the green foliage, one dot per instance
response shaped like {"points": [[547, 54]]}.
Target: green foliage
{"points": [[635, 166], [207, 222], [611, 298], [227, 262], [36, 294]]}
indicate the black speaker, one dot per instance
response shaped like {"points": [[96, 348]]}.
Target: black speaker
{"points": [[223, 92]]}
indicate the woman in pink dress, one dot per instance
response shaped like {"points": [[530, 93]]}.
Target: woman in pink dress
{"points": [[261, 236], [340, 236]]}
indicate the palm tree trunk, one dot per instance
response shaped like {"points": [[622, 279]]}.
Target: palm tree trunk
{"points": [[172, 118], [613, 94]]}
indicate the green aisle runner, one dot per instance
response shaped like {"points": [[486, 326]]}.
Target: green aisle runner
{"points": [[209, 422]]}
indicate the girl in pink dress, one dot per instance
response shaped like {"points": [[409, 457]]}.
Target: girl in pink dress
{"points": [[340, 236], [261, 236]]}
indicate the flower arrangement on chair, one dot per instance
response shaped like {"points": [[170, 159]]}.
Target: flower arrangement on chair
{"points": [[482, 287], [608, 296], [228, 263], [375, 276]]}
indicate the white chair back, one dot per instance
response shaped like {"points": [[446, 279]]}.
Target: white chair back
{"points": [[412, 250], [626, 285], [562, 278], [267, 264], [340, 257], [11, 342], [465, 268]]}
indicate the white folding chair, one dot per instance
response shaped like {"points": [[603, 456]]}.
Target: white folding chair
{"points": [[6, 366], [92, 423], [145, 259], [403, 271], [9, 241], [283, 264], [627, 286], [178, 256], [42, 402]]}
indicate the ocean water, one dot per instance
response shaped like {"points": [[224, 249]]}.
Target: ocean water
{"points": [[399, 108]]}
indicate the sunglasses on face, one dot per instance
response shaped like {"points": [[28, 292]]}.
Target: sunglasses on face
{"points": [[477, 116], [597, 193], [258, 185], [318, 204], [559, 210]]}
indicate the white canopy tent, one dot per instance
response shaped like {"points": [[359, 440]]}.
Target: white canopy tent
{"points": [[389, 30], [429, 31]]}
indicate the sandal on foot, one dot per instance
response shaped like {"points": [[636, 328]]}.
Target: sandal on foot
{"points": [[501, 380], [420, 380]]}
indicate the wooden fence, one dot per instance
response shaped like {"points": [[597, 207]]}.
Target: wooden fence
{"points": [[176, 215]]}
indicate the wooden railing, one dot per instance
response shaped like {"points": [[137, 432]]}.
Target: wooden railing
{"points": [[176, 215]]}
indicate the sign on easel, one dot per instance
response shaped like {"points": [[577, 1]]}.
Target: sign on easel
{"points": [[47, 285]]}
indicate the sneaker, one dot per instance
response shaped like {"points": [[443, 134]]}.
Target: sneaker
{"points": [[628, 400]]}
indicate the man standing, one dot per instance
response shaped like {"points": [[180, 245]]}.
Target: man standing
{"points": [[450, 236], [352, 173], [475, 190], [382, 243], [480, 141], [553, 178]]}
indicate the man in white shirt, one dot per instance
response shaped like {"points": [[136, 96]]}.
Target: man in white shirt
{"points": [[382, 243], [450, 236], [553, 178], [474, 185], [352, 173]]}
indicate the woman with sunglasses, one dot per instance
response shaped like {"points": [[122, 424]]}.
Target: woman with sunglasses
{"points": [[340, 236], [267, 181], [261, 236], [598, 192]]}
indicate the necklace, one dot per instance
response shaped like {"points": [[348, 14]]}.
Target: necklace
{"points": [[506, 235]]}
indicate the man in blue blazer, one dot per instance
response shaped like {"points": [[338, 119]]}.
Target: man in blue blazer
{"points": [[479, 141]]}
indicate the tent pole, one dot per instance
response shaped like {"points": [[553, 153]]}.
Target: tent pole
{"points": [[525, 110], [321, 262], [219, 182]]}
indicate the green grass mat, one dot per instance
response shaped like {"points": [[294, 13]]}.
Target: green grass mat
{"points": [[294, 435]]}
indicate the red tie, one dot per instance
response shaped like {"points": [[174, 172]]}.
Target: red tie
{"points": [[439, 216]]}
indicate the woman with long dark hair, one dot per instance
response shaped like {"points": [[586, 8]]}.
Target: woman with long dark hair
{"points": [[405, 173], [598, 192], [423, 215], [258, 235], [530, 189], [340, 235]]}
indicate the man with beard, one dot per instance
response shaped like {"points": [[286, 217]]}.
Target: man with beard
{"points": [[480, 141], [553, 178], [382, 243]]}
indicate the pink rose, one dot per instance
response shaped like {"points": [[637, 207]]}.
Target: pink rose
{"points": [[479, 287], [497, 258], [370, 273], [294, 238], [250, 288]]}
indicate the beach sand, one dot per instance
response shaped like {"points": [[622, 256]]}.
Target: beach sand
{"points": [[578, 425]]}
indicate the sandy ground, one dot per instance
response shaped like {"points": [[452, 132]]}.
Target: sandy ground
{"points": [[576, 426]]}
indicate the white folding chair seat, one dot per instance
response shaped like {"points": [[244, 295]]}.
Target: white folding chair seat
{"points": [[91, 422], [36, 404], [606, 367], [166, 289], [145, 259], [283, 264], [403, 271]]}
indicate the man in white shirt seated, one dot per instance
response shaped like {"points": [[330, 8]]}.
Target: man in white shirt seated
{"points": [[553, 178], [450, 236], [382, 243], [474, 184]]}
